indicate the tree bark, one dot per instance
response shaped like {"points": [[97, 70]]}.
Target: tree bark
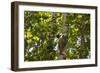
{"points": [[53, 24], [63, 41], [82, 38]]}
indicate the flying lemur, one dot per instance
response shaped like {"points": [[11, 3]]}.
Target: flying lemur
{"points": [[62, 44]]}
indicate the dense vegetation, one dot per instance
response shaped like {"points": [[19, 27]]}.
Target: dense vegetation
{"points": [[42, 36]]}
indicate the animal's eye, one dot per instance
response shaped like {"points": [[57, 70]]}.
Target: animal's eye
{"points": [[58, 36]]}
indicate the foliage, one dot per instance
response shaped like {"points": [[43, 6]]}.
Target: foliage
{"points": [[42, 31]]}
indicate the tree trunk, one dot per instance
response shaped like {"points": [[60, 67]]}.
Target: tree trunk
{"points": [[63, 41], [53, 24], [82, 38]]}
